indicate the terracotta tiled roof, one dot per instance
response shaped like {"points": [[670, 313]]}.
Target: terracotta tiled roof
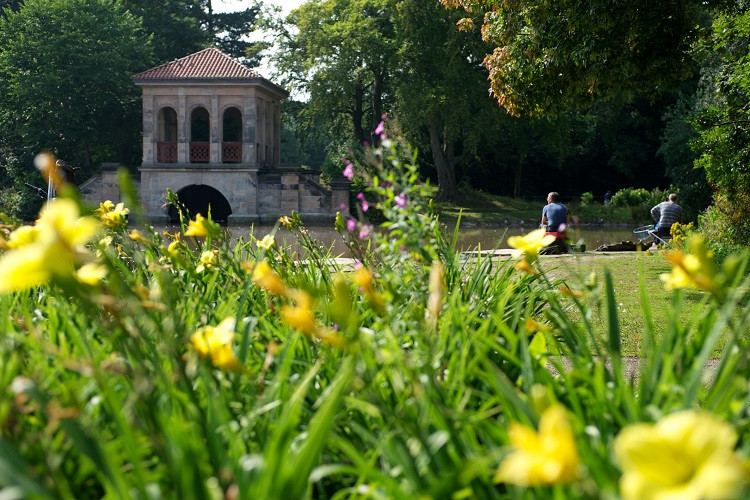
{"points": [[208, 64]]}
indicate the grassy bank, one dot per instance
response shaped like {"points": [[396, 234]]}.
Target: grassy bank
{"points": [[485, 209], [632, 274]]}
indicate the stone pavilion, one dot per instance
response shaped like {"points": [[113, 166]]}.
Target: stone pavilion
{"points": [[212, 134]]}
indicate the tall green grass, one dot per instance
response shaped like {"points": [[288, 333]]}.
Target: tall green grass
{"points": [[103, 395]]}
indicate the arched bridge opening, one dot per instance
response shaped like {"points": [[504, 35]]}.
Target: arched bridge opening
{"points": [[197, 199]]}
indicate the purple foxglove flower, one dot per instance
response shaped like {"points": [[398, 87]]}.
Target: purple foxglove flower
{"points": [[349, 171], [351, 224], [365, 206], [361, 196], [365, 232], [380, 128]]}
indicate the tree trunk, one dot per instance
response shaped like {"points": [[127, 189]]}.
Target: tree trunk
{"points": [[358, 114], [210, 26], [445, 161], [377, 104], [520, 156]]}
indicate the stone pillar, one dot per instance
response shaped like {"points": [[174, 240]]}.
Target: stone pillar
{"points": [[148, 130], [215, 141], [290, 192], [183, 131], [249, 121], [277, 128], [340, 196]]}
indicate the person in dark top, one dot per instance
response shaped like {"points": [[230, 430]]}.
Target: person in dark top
{"points": [[607, 197], [554, 214], [665, 214]]}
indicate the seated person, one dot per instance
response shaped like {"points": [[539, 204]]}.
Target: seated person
{"points": [[554, 214], [665, 214]]}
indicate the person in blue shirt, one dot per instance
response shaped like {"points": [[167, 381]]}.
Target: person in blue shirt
{"points": [[554, 214]]}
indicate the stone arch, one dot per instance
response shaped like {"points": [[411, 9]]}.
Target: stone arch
{"points": [[231, 135], [200, 135], [197, 198], [166, 135]]}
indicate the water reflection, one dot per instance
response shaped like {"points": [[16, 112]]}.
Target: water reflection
{"points": [[468, 238]]}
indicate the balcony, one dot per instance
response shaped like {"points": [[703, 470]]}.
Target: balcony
{"points": [[231, 152], [166, 152], [200, 152]]}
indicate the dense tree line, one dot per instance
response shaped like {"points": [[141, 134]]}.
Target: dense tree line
{"points": [[518, 98], [65, 68]]}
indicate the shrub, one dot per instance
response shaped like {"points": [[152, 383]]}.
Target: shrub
{"points": [[726, 224], [587, 199]]}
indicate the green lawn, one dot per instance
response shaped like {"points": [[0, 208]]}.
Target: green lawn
{"points": [[628, 270], [483, 208]]}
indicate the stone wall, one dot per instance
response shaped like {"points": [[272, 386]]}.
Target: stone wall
{"points": [[252, 195]]}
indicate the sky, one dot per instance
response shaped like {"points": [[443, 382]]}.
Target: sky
{"points": [[234, 5]]}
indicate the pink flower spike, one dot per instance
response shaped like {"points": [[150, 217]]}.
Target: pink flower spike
{"points": [[361, 196], [342, 206], [400, 200], [365, 232], [351, 224], [349, 171], [357, 264], [365, 206], [380, 128]]}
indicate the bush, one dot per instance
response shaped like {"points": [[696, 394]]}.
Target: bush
{"points": [[726, 224], [587, 199]]}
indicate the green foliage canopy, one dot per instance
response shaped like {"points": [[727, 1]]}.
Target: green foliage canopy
{"points": [[65, 69]]}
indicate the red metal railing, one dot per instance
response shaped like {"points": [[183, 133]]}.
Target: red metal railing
{"points": [[231, 152], [200, 152], [166, 152]]}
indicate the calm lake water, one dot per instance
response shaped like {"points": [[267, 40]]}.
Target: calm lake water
{"points": [[468, 239]]}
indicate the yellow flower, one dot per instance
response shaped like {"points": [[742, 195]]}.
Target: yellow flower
{"points": [[285, 221], [24, 235], [363, 278], [544, 458], [267, 242], [202, 227], [267, 279], [689, 454], [300, 316], [209, 259], [215, 343], [523, 265], [531, 244], [111, 215], [58, 244], [137, 236], [104, 207], [695, 270], [91, 273]]}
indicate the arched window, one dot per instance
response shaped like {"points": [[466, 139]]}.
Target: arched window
{"points": [[166, 140], [231, 146], [200, 135]]}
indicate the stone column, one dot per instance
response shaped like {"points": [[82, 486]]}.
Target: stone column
{"points": [[183, 124], [340, 196], [249, 126], [215, 140], [148, 129], [277, 128]]}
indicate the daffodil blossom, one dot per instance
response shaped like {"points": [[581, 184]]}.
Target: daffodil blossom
{"points": [[530, 245], [267, 279], [686, 455], [540, 458], [53, 248], [268, 242], [215, 343], [202, 227]]}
